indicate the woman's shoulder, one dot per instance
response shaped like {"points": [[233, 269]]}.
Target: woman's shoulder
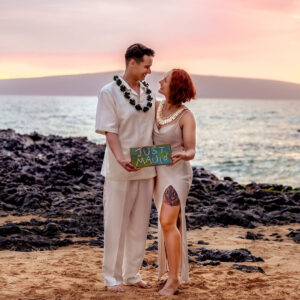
{"points": [[187, 113], [187, 116]]}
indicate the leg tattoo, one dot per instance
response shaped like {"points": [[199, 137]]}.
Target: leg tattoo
{"points": [[171, 196]]}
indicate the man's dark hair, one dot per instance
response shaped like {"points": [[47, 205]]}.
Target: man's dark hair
{"points": [[137, 51]]}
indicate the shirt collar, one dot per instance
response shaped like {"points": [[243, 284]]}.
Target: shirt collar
{"points": [[142, 87]]}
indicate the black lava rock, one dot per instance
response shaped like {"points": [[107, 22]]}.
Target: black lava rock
{"points": [[237, 255], [144, 264], [9, 229], [252, 236], [211, 263], [154, 246], [295, 235], [248, 269], [59, 179]]}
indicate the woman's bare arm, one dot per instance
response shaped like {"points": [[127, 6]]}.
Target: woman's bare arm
{"points": [[188, 126]]}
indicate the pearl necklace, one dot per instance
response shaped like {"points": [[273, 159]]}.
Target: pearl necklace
{"points": [[161, 120]]}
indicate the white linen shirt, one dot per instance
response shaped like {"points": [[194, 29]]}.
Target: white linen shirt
{"points": [[134, 128]]}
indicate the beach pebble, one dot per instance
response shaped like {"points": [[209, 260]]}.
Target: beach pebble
{"points": [[202, 243]]}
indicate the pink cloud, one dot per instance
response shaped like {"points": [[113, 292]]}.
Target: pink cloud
{"points": [[276, 5], [49, 36]]}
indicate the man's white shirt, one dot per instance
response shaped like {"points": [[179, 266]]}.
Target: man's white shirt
{"points": [[134, 128]]}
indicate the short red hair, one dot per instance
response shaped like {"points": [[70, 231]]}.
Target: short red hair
{"points": [[181, 87]]}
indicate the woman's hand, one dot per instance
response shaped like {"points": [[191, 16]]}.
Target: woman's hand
{"points": [[179, 156]]}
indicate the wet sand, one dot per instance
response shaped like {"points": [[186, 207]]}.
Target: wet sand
{"points": [[74, 272]]}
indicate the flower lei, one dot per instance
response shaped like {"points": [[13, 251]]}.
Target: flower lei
{"points": [[132, 101], [159, 116]]}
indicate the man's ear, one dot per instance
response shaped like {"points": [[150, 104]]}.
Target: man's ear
{"points": [[132, 62]]}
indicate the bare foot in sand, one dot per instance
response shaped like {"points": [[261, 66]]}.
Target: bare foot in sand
{"points": [[161, 283], [115, 289], [144, 285], [170, 288]]}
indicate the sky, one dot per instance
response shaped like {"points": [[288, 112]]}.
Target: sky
{"points": [[239, 38]]}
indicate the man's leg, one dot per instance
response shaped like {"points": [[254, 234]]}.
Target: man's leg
{"points": [[136, 233], [115, 222]]}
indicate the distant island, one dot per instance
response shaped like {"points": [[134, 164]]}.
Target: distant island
{"points": [[207, 86]]}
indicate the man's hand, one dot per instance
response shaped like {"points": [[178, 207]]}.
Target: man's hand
{"points": [[128, 166], [115, 146]]}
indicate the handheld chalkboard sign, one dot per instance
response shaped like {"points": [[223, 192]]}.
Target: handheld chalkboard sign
{"points": [[151, 155]]}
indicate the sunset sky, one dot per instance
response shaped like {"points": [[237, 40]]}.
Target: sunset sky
{"points": [[241, 38]]}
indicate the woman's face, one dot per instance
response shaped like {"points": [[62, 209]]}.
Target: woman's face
{"points": [[165, 84]]}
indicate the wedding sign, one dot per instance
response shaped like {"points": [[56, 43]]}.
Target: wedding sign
{"points": [[151, 155]]}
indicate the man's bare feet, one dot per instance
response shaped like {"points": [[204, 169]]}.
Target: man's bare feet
{"points": [[116, 288], [143, 285], [170, 288]]}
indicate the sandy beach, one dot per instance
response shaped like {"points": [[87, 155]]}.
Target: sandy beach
{"points": [[74, 272]]}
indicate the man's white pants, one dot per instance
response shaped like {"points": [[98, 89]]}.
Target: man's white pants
{"points": [[127, 206]]}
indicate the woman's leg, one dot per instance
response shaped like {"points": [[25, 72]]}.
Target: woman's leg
{"points": [[169, 214]]}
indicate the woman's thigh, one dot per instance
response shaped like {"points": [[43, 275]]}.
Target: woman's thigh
{"points": [[170, 207]]}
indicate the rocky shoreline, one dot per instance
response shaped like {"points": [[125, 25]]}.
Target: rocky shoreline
{"points": [[58, 180]]}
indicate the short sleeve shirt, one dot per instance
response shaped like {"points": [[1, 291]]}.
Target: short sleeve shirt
{"points": [[134, 128]]}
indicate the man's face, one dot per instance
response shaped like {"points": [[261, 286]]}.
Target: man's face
{"points": [[143, 68]]}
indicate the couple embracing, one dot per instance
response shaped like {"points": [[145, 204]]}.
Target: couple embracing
{"points": [[129, 116]]}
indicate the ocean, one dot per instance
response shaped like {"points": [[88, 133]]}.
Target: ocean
{"points": [[248, 140]]}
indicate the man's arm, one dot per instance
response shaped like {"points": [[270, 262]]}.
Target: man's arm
{"points": [[113, 141], [107, 123]]}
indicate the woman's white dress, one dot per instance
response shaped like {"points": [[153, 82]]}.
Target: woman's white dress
{"points": [[180, 176]]}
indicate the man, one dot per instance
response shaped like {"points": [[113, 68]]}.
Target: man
{"points": [[125, 114]]}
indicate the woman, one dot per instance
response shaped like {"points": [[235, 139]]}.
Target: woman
{"points": [[174, 125]]}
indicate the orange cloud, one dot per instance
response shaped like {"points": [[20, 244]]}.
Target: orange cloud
{"points": [[36, 64]]}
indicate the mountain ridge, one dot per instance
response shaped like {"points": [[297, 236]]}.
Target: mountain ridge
{"points": [[207, 86]]}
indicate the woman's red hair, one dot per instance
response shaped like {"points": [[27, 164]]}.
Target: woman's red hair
{"points": [[181, 87]]}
